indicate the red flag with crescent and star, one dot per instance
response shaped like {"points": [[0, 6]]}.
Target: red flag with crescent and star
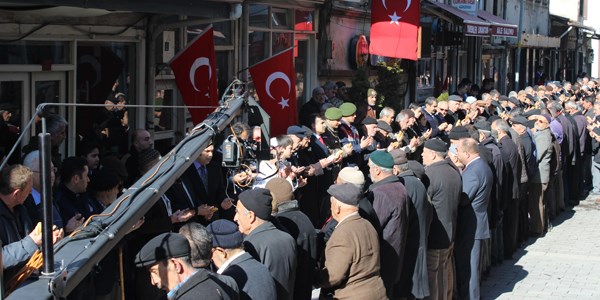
{"points": [[395, 28], [196, 75], [274, 80]]}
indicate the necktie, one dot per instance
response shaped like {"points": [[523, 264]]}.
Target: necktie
{"points": [[321, 140], [203, 176]]}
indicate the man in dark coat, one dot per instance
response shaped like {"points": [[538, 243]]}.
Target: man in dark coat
{"points": [[391, 206], [272, 247], [71, 197], [140, 140], [578, 178], [313, 106], [252, 277], [414, 281], [298, 225], [167, 258], [444, 190], [476, 184]]}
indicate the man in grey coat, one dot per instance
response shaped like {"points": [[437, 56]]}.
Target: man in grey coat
{"points": [[391, 207], [252, 277], [541, 175], [272, 247], [477, 181]]}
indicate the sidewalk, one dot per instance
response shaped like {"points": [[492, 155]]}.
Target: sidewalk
{"points": [[565, 264]]}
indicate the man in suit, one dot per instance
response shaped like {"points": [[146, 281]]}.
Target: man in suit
{"points": [[541, 175], [272, 247], [203, 189], [167, 258], [252, 277], [352, 253], [477, 184]]}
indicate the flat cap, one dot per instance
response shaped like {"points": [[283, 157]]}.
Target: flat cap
{"points": [[530, 113], [456, 98], [519, 120], [352, 175], [495, 103], [225, 234], [530, 97], [258, 201], [483, 125], [346, 193], [333, 113], [369, 121], [384, 126], [348, 109], [514, 100], [436, 145], [164, 246], [382, 159], [503, 98], [307, 130], [458, 132], [399, 156], [297, 131]]}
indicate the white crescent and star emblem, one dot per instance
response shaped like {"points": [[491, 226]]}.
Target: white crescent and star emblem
{"points": [[274, 76], [394, 18], [199, 62]]}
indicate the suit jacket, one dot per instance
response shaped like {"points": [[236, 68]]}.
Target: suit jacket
{"points": [[17, 246], [276, 250], [543, 144], [203, 285], [352, 261], [510, 155], [477, 181], [252, 277]]}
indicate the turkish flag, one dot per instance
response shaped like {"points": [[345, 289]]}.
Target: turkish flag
{"points": [[395, 28], [274, 80], [196, 75]]}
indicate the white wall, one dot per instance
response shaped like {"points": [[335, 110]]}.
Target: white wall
{"points": [[594, 22], [535, 16], [566, 8]]}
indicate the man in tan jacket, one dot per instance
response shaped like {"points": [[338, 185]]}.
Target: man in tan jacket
{"points": [[352, 253]]}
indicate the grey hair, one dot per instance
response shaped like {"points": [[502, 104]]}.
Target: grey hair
{"points": [[502, 125], [401, 116], [200, 243], [430, 100], [329, 85], [572, 105], [386, 112], [403, 167], [54, 123], [317, 90]]}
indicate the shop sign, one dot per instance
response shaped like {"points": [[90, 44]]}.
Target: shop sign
{"points": [[468, 6], [506, 31], [477, 30]]}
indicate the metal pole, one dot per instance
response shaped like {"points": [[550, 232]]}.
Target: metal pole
{"points": [[2, 291], [47, 244], [518, 62]]}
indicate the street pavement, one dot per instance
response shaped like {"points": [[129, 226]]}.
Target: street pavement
{"points": [[564, 264]]}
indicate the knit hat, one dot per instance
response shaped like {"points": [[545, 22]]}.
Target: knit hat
{"points": [[399, 156], [346, 192], [281, 190], [257, 201], [352, 175], [333, 113], [382, 159], [348, 109], [225, 234], [369, 121], [436, 145]]}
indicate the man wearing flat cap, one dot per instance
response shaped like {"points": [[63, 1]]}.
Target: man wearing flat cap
{"points": [[414, 281], [167, 258], [267, 244], [349, 273], [444, 190], [390, 203], [541, 175], [252, 277]]}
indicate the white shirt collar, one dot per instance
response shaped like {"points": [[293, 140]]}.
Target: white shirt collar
{"points": [[346, 217], [228, 262]]}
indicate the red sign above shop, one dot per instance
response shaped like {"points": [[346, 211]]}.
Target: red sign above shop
{"points": [[477, 30], [504, 31]]}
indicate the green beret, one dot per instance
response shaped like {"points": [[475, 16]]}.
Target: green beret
{"points": [[348, 109], [333, 113], [382, 159]]}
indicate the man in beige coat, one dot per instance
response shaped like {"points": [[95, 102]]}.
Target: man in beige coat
{"points": [[352, 253]]}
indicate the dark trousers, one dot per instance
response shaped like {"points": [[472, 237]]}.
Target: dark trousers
{"points": [[511, 225], [536, 207]]}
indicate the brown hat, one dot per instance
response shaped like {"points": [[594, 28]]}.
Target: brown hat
{"points": [[280, 189]]}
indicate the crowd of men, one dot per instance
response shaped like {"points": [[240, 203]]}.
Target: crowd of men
{"points": [[358, 200]]}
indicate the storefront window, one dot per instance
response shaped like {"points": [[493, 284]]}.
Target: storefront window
{"points": [[258, 49], [281, 41], [259, 15], [35, 53], [280, 18]]}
